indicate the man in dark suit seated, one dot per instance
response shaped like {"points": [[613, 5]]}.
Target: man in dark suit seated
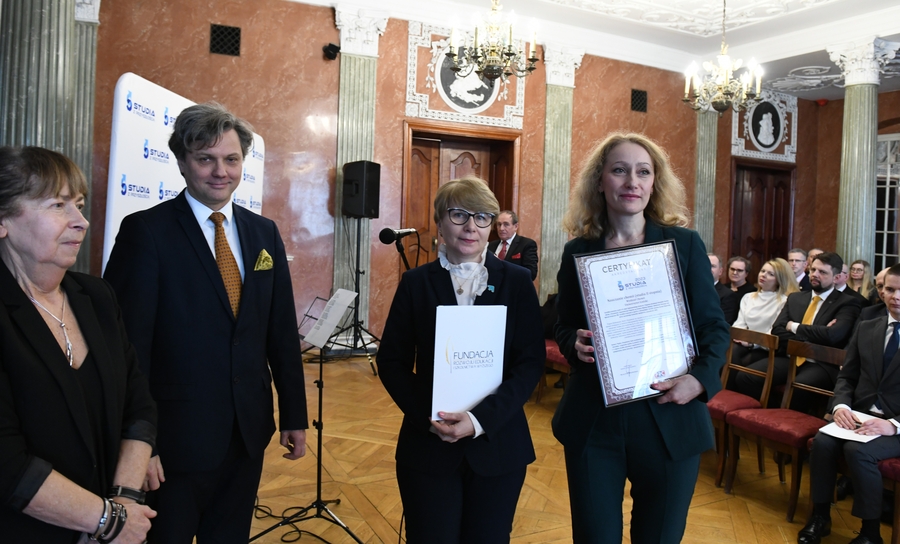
{"points": [[879, 309], [513, 247], [869, 382], [728, 299], [797, 259], [738, 272], [822, 316], [840, 283]]}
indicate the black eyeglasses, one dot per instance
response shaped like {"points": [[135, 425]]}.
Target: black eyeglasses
{"points": [[459, 216]]}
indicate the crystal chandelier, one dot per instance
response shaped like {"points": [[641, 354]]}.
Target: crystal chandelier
{"points": [[718, 88], [492, 54]]}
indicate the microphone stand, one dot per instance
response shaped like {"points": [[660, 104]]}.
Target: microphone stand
{"points": [[319, 505], [402, 252]]}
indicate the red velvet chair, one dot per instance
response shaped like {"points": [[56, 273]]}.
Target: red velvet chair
{"points": [[890, 472], [556, 361], [726, 401], [782, 429]]}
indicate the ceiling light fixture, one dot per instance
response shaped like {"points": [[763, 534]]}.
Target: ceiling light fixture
{"points": [[718, 88], [492, 54]]}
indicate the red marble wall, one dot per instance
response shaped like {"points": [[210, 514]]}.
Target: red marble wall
{"points": [[280, 83]]}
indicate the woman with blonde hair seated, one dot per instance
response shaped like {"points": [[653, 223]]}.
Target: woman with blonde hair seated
{"points": [[759, 310], [860, 279]]}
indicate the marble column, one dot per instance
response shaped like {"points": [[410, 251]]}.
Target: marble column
{"points": [[37, 87], [861, 63], [48, 60], [560, 65], [705, 180], [81, 147], [355, 141]]}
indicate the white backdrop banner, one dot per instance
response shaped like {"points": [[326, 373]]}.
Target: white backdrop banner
{"points": [[142, 170]]}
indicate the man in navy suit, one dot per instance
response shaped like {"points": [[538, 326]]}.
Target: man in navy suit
{"points": [[822, 316], [869, 382], [207, 300], [512, 247], [797, 259]]}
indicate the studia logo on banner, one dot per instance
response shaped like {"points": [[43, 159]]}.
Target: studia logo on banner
{"points": [[139, 109], [166, 194], [134, 190], [143, 171]]}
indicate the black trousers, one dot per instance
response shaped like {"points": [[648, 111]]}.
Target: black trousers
{"points": [[626, 443], [812, 373], [862, 463], [459, 506], [215, 505]]}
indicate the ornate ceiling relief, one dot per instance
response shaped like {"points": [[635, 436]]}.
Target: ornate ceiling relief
{"points": [[359, 30], [807, 78], [768, 130], [863, 62], [434, 92], [699, 17], [561, 63]]}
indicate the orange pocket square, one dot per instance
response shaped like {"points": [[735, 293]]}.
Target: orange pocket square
{"points": [[264, 261]]}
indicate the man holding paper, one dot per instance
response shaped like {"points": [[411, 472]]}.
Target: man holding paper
{"points": [[869, 382]]}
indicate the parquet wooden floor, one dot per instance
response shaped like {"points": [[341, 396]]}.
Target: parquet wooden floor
{"points": [[360, 431]]}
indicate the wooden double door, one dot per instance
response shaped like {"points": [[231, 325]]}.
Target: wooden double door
{"points": [[435, 159], [761, 222]]}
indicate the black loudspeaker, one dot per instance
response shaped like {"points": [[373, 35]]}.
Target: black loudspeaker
{"points": [[362, 180]]}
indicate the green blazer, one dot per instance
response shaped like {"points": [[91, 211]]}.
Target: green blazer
{"points": [[686, 429]]}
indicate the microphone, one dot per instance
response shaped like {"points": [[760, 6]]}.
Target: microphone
{"points": [[389, 235]]}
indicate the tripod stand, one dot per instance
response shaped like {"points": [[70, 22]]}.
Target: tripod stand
{"points": [[358, 343], [319, 505]]}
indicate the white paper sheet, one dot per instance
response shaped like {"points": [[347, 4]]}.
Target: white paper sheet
{"points": [[330, 317], [468, 356], [844, 434]]}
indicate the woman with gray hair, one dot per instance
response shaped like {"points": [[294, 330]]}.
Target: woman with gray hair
{"points": [[460, 477], [77, 422]]}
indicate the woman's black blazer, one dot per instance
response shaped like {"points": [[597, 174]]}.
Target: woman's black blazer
{"points": [[406, 367], [44, 423]]}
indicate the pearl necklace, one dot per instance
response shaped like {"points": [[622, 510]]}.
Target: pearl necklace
{"points": [[62, 325]]}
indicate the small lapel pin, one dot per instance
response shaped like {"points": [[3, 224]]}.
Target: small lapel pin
{"points": [[491, 288]]}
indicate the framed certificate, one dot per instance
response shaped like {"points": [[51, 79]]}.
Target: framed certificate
{"points": [[636, 307]]}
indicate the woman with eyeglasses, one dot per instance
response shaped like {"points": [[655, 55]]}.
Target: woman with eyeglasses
{"points": [[860, 279], [460, 477]]}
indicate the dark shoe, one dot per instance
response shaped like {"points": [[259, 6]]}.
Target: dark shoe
{"points": [[861, 539], [559, 383], [815, 529]]}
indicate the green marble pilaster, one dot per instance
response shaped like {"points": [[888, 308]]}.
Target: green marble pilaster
{"points": [[557, 176], [355, 142], [705, 181], [856, 203]]}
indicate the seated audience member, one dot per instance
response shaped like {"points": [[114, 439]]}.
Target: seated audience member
{"points": [[738, 271], [879, 309], [840, 283], [867, 383], [861, 280], [797, 259], [811, 256], [512, 247], [822, 316], [728, 299], [759, 310]]}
